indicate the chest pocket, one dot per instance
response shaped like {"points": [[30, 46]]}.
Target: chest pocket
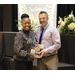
{"points": [[47, 36]]}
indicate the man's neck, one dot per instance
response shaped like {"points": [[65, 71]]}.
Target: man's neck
{"points": [[44, 26]]}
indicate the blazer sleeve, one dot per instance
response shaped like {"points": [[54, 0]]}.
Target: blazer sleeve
{"points": [[18, 47]]}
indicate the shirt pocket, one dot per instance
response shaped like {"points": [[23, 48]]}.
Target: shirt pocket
{"points": [[47, 36]]}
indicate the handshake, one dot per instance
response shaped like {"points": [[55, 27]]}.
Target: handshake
{"points": [[37, 50]]}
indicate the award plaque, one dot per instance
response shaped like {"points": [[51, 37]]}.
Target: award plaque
{"points": [[32, 51], [37, 49], [41, 46]]}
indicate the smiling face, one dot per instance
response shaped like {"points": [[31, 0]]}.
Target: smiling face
{"points": [[26, 24], [43, 19]]}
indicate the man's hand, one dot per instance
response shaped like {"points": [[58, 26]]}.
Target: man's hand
{"points": [[41, 54], [35, 56]]}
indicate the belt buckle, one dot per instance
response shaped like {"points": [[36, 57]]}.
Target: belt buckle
{"points": [[46, 56]]}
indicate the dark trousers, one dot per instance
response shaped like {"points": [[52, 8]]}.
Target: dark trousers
{"points": [[22, 65]]}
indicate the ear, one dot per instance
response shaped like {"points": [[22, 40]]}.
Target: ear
{"points": [[47, 18]]}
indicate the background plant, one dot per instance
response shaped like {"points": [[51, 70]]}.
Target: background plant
{"points": [[67, 24], [34, 25]]}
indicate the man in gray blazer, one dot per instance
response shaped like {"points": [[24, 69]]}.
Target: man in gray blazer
{"points": [[50, 38]]}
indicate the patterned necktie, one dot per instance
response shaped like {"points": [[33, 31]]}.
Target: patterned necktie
{"points": [[41, 35]]}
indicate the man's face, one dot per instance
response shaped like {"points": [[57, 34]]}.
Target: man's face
{"points": [[43, 19]]}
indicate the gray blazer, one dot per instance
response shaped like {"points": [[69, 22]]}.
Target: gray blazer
{"points": [[23, 46]]}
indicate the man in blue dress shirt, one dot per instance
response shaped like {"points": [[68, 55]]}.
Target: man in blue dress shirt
{"points": [[50, 38]]}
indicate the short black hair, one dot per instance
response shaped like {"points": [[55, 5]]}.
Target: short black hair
{"points": [[24, 16], [43, 12]]}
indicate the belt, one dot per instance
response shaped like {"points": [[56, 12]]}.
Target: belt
{"points": [[48, 56]]}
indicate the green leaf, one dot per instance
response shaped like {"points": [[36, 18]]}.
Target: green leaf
{"points": [[16, 20]]}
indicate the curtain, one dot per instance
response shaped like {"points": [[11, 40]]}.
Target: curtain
{"points": [[14, 16], [64, 10], [66, 53], [1, 18]]}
